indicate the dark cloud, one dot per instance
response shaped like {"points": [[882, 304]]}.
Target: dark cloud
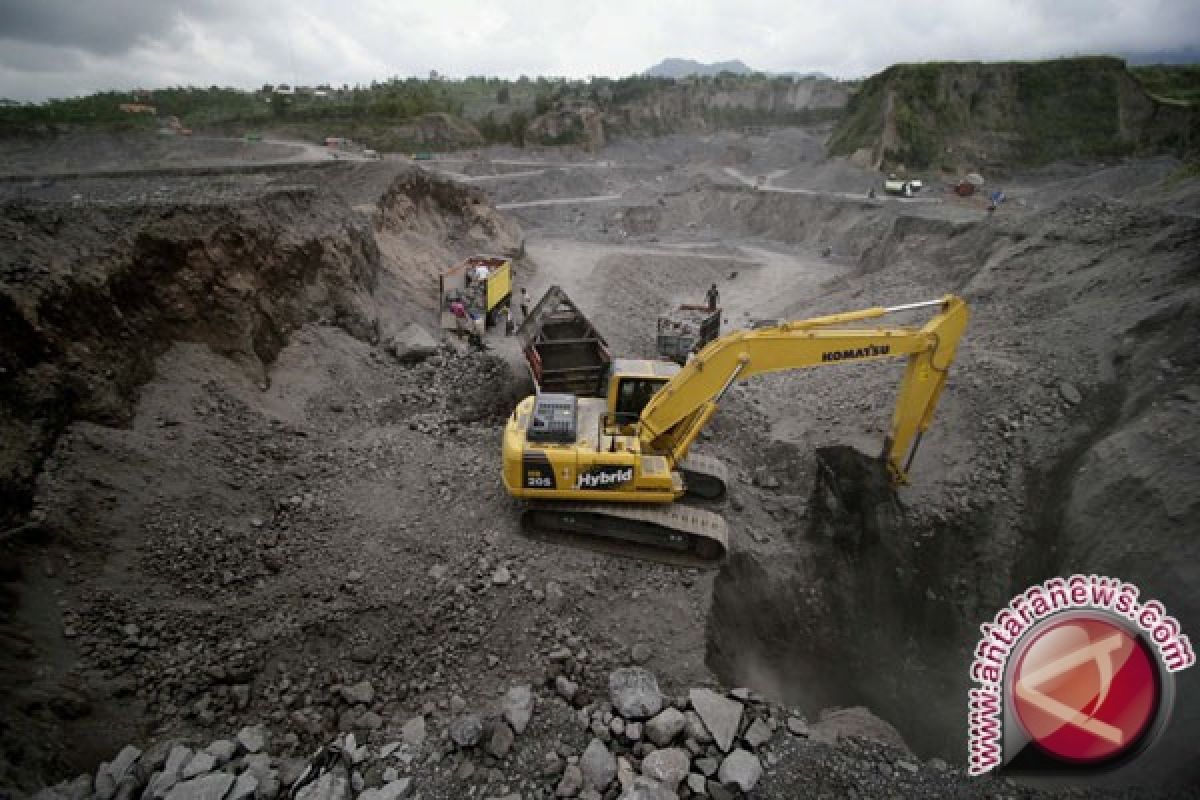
{"points": [[102, 27], [56, 48]]}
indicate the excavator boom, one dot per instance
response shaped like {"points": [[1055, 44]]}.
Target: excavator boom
{"points": [[677, 414]]}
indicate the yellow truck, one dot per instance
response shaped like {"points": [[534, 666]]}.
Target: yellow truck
{"points": [[483, 284]]}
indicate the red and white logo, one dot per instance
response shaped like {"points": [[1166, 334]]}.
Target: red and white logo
{"points": [[1085, 690], [1075, 674]]}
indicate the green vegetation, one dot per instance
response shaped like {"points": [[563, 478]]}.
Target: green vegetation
{"points": [[951, 114], [1070, 109], [377, 114], [1171, 84]]}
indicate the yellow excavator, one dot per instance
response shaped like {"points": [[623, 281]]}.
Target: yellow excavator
{"points": [[606, 472]]}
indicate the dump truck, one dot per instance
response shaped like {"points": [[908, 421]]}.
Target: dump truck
{"points": [[564, 351], [686, 330], [483, 284], [901, 186]]}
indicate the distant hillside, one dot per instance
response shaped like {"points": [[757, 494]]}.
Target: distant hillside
{"points": [[955, 115], [684, 67], [1183, 55]]}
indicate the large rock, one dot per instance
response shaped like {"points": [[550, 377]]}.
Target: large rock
{"points": [[360, 693], [222, 751], [333, 785], [758, 734], [741, 767], [720, 714], [646, 789], [213, 786], [518, 708], [694, 728], [252, 738], [501, 740], [412, 345], [467, 730], [663, 728], [598, 765], [634, 692], [244, 787], [413, 732], [392, 790], [162, 782], [124, 760], [571, 783], [668, 767], [201, 763]]}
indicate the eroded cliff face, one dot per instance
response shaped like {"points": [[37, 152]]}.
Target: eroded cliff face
{"points": [[977, 116], [687, 107], [91, 295]]}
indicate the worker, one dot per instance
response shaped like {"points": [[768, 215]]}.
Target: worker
{"points": [[459, 311], [524, 304], [508, 321], [713, 297]]}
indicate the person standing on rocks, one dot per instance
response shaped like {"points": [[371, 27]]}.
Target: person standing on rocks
{"points": [[713, 297], [460, 316], [524, 304]]}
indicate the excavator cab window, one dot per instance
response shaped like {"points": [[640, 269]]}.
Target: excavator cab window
{"points": [[632, 396]]}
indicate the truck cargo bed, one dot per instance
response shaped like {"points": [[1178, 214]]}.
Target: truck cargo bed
{"points": [[564, 351]]}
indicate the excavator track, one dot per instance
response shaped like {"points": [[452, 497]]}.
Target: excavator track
{"points": [[705, 476], [678, 535]]}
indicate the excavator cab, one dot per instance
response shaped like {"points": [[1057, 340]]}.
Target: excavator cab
{"points": [[632, 383]]}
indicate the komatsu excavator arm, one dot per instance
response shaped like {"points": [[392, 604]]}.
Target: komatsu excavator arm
{"points": [[678, 412]]}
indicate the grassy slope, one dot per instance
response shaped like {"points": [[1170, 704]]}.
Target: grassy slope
{"points": [[1043, 111]]}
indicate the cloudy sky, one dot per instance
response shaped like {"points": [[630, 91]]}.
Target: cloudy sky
{"points": [[56, 48]]}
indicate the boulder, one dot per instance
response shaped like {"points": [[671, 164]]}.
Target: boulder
{"points": [[598, 765], [518, 708], [720, 715], [646, 789], [333, 785], [634, 692], [467, 730], [758, 734], [252, 738], [360, 693], [213, 786], [668, 767], [412, 345], [741, 767], [413, 732], [244, 787], [693, 728], [501, 740], [663, 728], [201, 763], [571, 783], [222, 751]]}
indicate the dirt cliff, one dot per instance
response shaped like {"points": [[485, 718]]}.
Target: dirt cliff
{"points": [[689, 106], [975, 115]]}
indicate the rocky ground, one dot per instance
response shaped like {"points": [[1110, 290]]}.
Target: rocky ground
{"points": [[252, 513]]}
